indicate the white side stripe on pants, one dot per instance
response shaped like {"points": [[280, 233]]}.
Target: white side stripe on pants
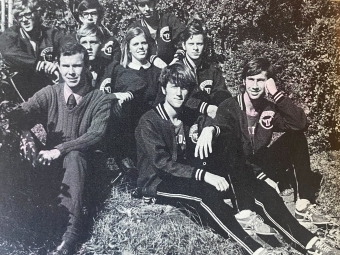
{"points": [[197, 199]]}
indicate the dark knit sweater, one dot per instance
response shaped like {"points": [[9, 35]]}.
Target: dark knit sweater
{"points": [[78, 129]]}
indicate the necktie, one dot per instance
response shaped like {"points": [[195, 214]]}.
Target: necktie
{"points": [[71, 102]]}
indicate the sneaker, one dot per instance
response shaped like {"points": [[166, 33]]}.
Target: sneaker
{"points": [[320, 248], [254, 223], [311, 214]]}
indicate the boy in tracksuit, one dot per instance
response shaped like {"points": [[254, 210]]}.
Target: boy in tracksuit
{"points": [[254, 119], [162, 29], [164, 147], [211, 89]]}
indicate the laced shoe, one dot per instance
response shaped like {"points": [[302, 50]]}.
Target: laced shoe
{"points": [[320, 248], [311, 214], [254, 223]]}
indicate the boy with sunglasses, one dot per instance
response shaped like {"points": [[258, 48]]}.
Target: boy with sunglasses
{"points": [[29, 48]]}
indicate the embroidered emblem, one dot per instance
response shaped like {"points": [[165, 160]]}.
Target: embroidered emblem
{"points": [[266, 119], [206, 86], [193, 133], [107, 48], [47, 54], [165, 34], [105, 86]]}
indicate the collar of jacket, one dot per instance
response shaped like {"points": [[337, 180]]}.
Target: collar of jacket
{"points": [[24, 34], [189, 63], [162, 112], [241, 103]]}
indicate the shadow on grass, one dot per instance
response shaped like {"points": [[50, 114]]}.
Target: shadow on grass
{"points": [[31, 220]]}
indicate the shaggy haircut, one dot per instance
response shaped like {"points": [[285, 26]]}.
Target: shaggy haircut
{"points": [[193, 28], [70, 49], [257, 66], [178, 74], [21, 5], [90, 30], [130, 34], [92, 4]]}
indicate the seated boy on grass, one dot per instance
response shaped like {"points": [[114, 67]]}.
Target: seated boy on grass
{"points": [[165, 136]]}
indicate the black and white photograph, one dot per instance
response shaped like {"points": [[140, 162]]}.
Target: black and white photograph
{"points": [[170, 127]]}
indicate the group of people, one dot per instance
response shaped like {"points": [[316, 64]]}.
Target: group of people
{"points": [[155, 104]]}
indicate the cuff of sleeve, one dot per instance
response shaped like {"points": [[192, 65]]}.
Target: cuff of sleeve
{"points": [[278, 96], [199, 174], [152, 58], [261, 176], [131, 95], [180, 54], [60, 148], [217, 131], [203, 108]]}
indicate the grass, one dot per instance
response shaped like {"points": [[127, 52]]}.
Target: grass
{"points": [[125, 225]]}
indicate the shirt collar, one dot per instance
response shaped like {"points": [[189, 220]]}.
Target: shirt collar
{"points": [[138, 67], [78, 96]]}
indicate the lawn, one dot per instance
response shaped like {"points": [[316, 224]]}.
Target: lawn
{"points": [[123, 224]]}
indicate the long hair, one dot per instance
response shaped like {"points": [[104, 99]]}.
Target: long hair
{"points": [[130, 34], [178, 74], [195, 27]]}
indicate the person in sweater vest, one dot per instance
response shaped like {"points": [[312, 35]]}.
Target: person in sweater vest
{"points": [[75, 116]]}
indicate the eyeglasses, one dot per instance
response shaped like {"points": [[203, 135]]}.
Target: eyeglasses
{"points": [[27, 15], [86, 14]]}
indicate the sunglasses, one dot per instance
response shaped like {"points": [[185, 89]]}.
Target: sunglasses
{"points": [[87, 14]]}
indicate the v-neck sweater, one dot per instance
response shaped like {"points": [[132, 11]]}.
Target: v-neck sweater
{"points": [[78, 129]]}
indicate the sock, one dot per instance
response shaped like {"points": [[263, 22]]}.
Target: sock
{"points": [[311, 242], [301, 204]]}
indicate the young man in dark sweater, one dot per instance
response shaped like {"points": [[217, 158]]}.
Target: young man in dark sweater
{"points": [[165, 149], [29, 48], [75, 117]]}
